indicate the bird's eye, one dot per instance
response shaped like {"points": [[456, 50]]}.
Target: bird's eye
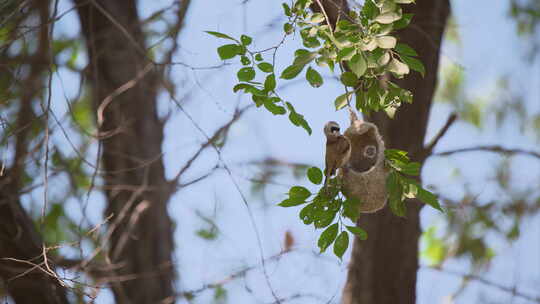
{"points": [[334, 129]]}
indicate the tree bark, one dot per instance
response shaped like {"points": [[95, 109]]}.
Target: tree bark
{"points": [[22, 264], [383, 268], [124, 85]]}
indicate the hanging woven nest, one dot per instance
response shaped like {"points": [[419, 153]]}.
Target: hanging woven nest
{"points": [[364, 176]]}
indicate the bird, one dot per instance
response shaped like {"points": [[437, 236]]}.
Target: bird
{"points": [[338, 149]]}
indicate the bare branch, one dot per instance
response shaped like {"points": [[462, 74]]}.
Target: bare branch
{"points": [[209, 142], [490, 148], [479, 279], [427, 151]]}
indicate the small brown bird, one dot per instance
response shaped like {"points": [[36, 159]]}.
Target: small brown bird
{"points": [[338, 149]]}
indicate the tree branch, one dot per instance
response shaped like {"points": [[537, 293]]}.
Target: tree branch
{"points": [[490, 148], [427, 151], [479, 279]]}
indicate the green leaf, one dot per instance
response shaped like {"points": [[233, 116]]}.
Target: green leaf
{"points": [[435, 248], [313, 77], [350, 209], [220, 35], [288, 28], [271, 106], [384, 59], [341, 244], [398, 67], [228, 51], [291, 71], [60, 45], [428, 198], [291, 202], [270, 82], [315, 175], [369, 9], [342, 101], [345, 54], [387, 18], [246, 40], [327, 237], [358, 65], [298, 119], [248, 88], [207, 234], [299, 192], [303, 57], [386, 6], [220, 294], [403, 22], [306, 214], [265, 67], [317, 18], [405, 49], [311, 42], [393, 185], [404, 1], [406, 167], [359, 232], [411, 169], [246, 74], [82, 113], [245, 60], [258, 57], [386, 42], [349, 79], [286, 9], [394, 154], [414, 64], [324, 218]]}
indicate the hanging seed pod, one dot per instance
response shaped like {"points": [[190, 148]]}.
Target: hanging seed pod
{"points": [[364, 176]]}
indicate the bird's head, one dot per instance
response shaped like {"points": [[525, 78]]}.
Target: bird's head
{"points": [[331, 129]]}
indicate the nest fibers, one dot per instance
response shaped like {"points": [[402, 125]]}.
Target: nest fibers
{"points": [[364, 176]]}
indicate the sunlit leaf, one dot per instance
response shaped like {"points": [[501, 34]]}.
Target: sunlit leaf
{"points": [[327, 237], [341, 244]]}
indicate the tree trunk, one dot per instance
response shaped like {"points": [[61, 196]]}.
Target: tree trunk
{"points": [[22, 264], [383, 268], [124, 85]]}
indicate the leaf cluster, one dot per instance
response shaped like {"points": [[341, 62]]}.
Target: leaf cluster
{"points": [[263, 90], [364, 48], [400, 184], [327, 209]]}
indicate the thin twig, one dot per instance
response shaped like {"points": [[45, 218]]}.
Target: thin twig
{"points": [[489, 148], [471, 276], [427, 151]]}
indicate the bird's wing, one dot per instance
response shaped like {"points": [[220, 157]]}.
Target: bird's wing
{"points": [[344, 148], [343, 145], [330, 168]]}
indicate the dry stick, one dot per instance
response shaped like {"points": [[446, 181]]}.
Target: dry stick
{"points": [[490, 148], [47, 109], [134, 218], [484, 281], [209, 142], [121, 89], [233, 276], [252, 219], [34, 267], [235, 183], [427, 151], [114, 225]]}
